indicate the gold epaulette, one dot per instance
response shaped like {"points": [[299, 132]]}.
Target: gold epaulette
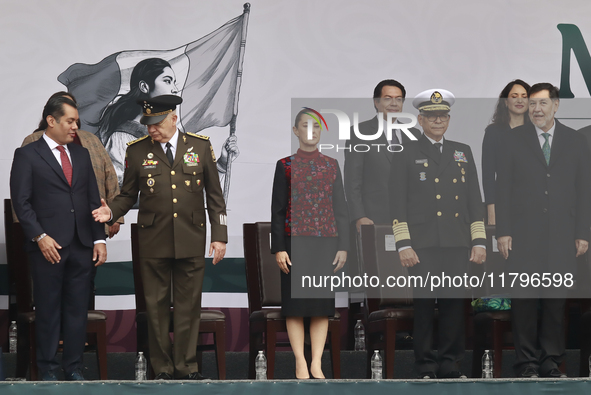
{"points": [[199, 136], [140, 139]]}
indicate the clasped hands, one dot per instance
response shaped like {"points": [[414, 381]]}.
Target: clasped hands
{"points": [[283, 261]]}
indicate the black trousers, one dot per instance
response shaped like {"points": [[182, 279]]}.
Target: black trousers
{"points": [[527, 334], [450, 304], [61, 293]]}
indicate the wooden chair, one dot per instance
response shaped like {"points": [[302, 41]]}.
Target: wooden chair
{"points": [[212, 321], [392, 311], [20, 278], [264, 295]]}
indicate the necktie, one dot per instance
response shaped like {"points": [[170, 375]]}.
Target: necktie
{"points": [[395, 138], [169, 153], [66, 165], [438, 148], [546, 147]]}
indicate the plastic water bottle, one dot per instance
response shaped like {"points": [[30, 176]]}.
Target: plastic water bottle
{"points": [[260, 366], [376, 365], [359, 336], [140, 367], [487, 365], [12, 333]]}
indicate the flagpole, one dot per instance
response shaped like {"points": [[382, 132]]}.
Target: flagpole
{"points": [[235, 112]]}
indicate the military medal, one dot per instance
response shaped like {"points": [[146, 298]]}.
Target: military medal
{"points": [[423, 176], [149, 163], [151, 190], [150, 155], [191, 158], [188, 183], [151, 182], [463, 171], [198, 182], [463, 179], [460, 157]]}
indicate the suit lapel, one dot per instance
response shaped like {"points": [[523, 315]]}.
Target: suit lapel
{"points": [[531, 138], [180, 150], [76, 162], [446, 155], [428, 149], [43, 150], [559, 146]]}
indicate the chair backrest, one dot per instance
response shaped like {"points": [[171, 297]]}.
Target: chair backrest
{"points": [[140, 301], [263, 277], [383, 262], [18, 262]]}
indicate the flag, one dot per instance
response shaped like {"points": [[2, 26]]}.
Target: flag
{"points": [[207, 70]]}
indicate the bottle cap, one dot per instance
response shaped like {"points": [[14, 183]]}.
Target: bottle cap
{"points": [[141, 353], [486, 350], [261, 351]]}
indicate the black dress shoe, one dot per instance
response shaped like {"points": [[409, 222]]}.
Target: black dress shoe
{"points": [[48, 376], [195, 376], [529, 372], [454, 374], [163, 376], [426, 375], [76, 375], [555, 373]]}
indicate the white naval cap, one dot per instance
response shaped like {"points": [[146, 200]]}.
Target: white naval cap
{"points": [[434, 100]]}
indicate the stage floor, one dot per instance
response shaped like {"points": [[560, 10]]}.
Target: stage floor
{"points": [[573, 386]]}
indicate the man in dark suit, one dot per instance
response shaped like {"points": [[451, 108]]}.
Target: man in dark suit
{"points": [[438, 224], [366, 173], [53, 191], [543, 220], [171, 171]]}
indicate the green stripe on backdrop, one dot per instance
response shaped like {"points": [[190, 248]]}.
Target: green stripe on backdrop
{"points": [[116, 278]]}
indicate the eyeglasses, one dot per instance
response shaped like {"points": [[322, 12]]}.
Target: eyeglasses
{"points": [[433, 118]]}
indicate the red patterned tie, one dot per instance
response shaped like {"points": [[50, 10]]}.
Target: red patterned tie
{"points": [[66, 165]]}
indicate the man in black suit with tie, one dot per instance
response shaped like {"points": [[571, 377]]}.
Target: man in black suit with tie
{"points": [[366, 173], [54, 190], [543, 221]]}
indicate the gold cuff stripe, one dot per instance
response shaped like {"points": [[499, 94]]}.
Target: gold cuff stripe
{"points": [[400, 230], [477, 230]]}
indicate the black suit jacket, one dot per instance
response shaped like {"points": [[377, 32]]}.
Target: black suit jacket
{"points": [[43, 200], [544, 208], [367, 174], [436, 202]]}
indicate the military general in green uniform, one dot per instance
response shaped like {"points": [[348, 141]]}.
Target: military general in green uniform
{"points": [[170, 170], [437, 214]]}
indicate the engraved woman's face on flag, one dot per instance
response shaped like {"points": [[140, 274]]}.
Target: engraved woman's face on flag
{"points": [[165, 84]]}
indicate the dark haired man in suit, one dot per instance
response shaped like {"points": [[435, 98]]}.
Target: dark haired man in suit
{"points": [[366, 173], [53, 191], [543, 221]]}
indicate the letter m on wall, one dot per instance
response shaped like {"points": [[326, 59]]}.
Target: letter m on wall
{"points": [[573, 39]]}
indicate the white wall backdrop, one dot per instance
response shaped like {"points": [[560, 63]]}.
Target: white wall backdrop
{"points": [[298, 48]]}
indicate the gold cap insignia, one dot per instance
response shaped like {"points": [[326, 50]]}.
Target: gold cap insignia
{"points": [[436, 98]]}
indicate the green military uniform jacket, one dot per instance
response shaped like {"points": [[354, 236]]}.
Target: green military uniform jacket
{"points": [[171, 216], [435, 201]]}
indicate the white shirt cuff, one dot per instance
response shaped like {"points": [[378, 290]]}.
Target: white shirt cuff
{"points": [[100, 242]]}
